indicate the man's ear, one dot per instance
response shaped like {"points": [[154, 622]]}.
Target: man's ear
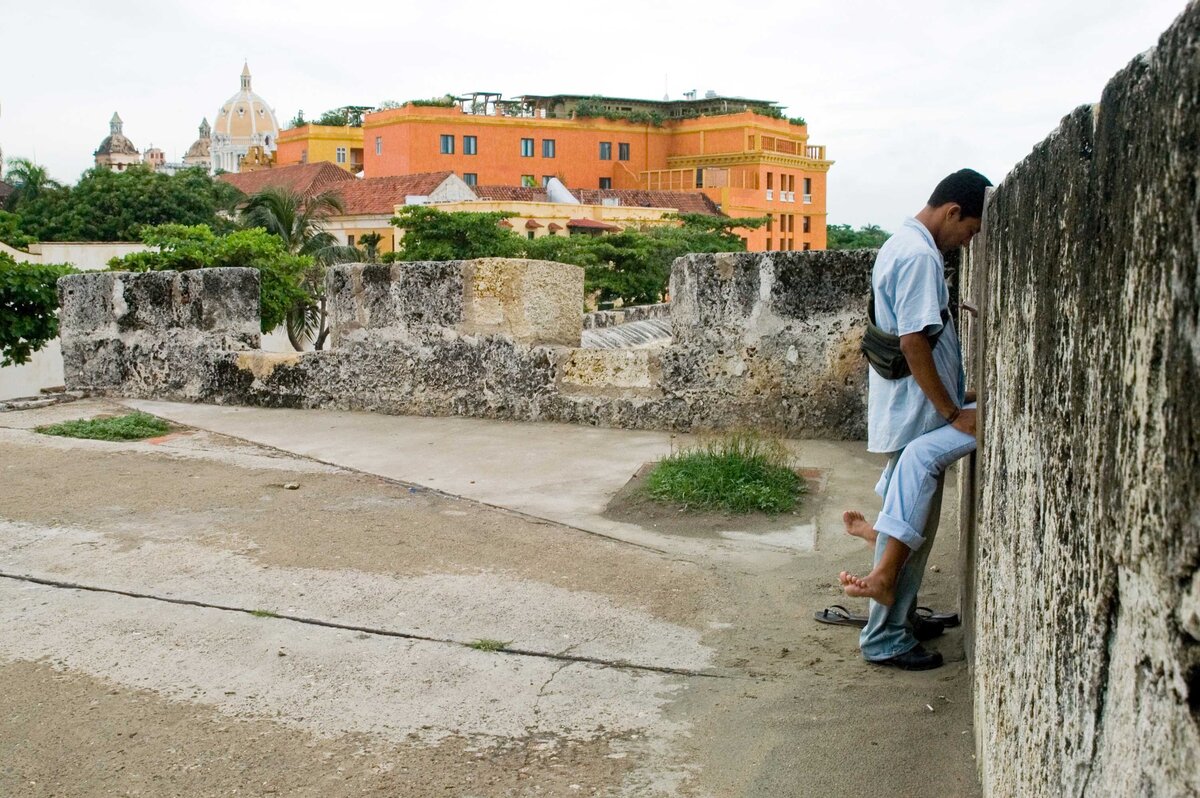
{"points": [[953, 212]]}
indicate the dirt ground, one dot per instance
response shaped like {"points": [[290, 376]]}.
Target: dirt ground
{"points": [[245, 637]]}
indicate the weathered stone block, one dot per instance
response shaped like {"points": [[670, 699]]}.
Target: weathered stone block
{"points": [[756, 294], [399, 300], [611, 372], [531, 301], [1087, 542]]}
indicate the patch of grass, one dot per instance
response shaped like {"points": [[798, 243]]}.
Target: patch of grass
{"points": [[486, 644], [264, 614], [131, 427], [740, 472]]}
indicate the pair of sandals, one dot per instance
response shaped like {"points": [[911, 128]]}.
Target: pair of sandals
{"points": [[837, 615]]}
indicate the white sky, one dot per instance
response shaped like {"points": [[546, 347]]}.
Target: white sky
{"points": [[901, 93]]}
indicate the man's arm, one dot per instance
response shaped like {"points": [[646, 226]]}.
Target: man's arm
{"points": [[915, 347]]}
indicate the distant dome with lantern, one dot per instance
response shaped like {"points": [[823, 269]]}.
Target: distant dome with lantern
{"points": [[243, 121]]}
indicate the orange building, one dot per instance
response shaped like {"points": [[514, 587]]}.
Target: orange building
{"points": [[749, 163], [337, 144]]}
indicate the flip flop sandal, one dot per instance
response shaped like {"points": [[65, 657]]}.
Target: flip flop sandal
{"points": [[946, 619], [837, 615]]}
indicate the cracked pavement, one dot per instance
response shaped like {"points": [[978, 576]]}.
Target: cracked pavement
{"points": [[239, 635]]}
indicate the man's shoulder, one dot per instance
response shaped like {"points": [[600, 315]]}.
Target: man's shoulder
{"points": [[904, 248]]}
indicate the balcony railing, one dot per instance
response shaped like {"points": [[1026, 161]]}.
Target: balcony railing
{"points": [[770, 194], [815, 152], [808, 199]]}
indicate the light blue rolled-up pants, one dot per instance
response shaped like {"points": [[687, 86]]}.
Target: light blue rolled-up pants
{"points": [[911, 487]]}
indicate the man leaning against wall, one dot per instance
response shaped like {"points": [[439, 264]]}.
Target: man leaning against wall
{"points": [[918, 412]]}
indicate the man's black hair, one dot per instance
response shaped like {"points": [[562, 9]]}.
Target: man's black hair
{"points": [[966, 187]]}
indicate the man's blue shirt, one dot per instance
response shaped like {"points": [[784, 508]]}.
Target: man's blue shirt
{"points": [[909, 284]]}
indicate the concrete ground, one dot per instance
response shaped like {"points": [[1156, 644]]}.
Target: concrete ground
{"points": [[293, 602]]}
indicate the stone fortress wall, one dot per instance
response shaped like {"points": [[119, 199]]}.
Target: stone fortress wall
{"points": [[767, 340], [1087, 518]]}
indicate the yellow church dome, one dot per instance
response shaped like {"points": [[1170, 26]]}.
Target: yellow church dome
{"points": [[246, 117]]}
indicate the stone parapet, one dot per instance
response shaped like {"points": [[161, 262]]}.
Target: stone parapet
{"points": [[495, 339], [1087, 537]]}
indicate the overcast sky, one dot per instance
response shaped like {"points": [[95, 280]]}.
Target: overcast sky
{"points": [[900, 92]]}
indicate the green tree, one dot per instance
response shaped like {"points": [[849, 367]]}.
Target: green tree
{"points": [[28, 307], [298, 120], [29, 180], [431, 234], [299, 222], [115, 206], [183, 247], [632, 266], [11, 233], [842, 236]]}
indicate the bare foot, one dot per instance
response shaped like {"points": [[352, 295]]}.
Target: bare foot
{"points": [[856, 524], [876, 585]]}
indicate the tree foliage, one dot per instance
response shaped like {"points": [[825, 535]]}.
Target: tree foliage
{"points": [[184, 247], [633, 266], [842, 236], [29, 180], [115, 206], [299, 222], [11, 233], [430, 234], [28, 307]]}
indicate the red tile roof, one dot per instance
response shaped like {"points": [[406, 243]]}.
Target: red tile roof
{"points": [[592, 224], [532, 224], [306, 178], [505, 223], [554, 227], [511, 193], [681, 201], [380, 195]]}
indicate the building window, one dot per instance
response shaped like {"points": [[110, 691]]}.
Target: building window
{"points": [[526, 148], [471, 179], [546, 180], [807, 224], [447, 145], [622, 152], [528, 181], [349, 241], [547, 148], [768, 244], [770, 180], [606, 182], [530, 234], [379, 145], [606, 150], [770, 225], [341, 155], [470, 145], [807, 246], [303, 156], [808, 185]]}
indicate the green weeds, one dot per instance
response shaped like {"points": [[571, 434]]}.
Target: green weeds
{"points": [[131, 427], [740, 472]]}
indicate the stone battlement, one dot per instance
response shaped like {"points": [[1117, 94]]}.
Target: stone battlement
{"points": [[768, 340]]}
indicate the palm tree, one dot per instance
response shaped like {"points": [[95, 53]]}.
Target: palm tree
{"points": [[370, 242], [300, 222], [29, 180]]}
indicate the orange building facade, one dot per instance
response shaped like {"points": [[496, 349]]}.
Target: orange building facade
{"points": [[750, 164]]}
